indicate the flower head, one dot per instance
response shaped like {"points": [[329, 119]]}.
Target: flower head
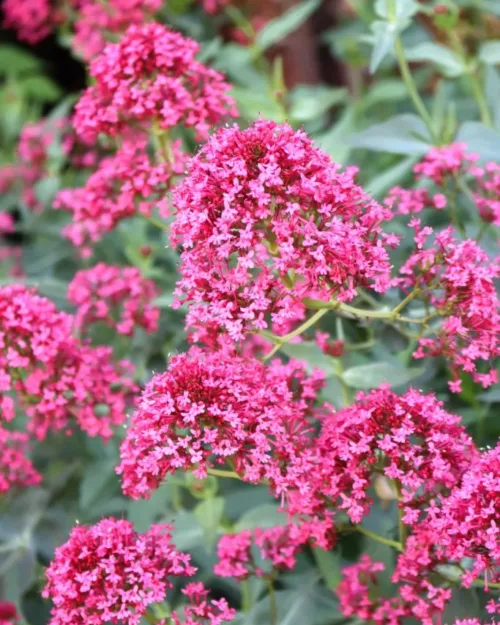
{"points": [[458, 280], [151, 78], [201, 610], [409, 438], [117, 296], [57, 379], [16, 471], [109, 573], [265, 219], [209, 407]]}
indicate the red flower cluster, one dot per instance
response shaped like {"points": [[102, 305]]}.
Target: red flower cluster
{"points": [[32, 19], [152, 79], [278, 545], [109, 573], [265, 219], [458, 280], [201, 610], [117, 296], [125, 184], [410, 439], [211, 407], [8, 613], [56, 378], [444, 166], [15, 468], [97, 20], [465, 524]]}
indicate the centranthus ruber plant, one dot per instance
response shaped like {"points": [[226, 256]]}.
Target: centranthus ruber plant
{"points": [[248, 371]]}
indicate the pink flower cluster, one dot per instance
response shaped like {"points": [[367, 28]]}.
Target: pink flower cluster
{"points": [[15, 468], [33, 157], [32, 19], [97, 20], [265, 219], [8, 613], [458, 280], [278, 545], [125, 184], [56, 378], [410, 439], [211, 407], [200, 610], [152, 79], [117, 296], [465, 524], [109, 573], [443, 166], [417, 597]]}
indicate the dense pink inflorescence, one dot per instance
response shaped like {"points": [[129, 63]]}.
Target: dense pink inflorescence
{"points": [[265, 219], [97, 20], [408, 438], [209, 407], [125, 184], [117, 296], [487, 192], [151, 78], [57, 378], [32, 19], [458, 280], [201, 610], [33, 157], [417, 597], [16, 470], [8, 613], [278, 546], [109, 573], [465, 524], [445, 166]]}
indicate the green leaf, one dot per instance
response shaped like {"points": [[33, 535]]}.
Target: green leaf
{"points": [[403, 9], [187, 532], [492, 81], [489, 52], [334, 140], [97, 476], [448, 62], [309, 103], [481, 139], [47, 188], [383, 39], [145, 512], [285, 24], [390, 177], [310, 353], [402, 134], [209, 515], [329, 565], [254, 103], [391, 90], [16, 60], [264, 516], [40, 88], [490, 397], [372, 375]]}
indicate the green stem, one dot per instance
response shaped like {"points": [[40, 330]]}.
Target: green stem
{"points": [[282, 340], [156, 222], [246, 599], [480, 98], [380, 539], [403, 530], [150, 618], [222, 473], [412, 89], [273, 611]]}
